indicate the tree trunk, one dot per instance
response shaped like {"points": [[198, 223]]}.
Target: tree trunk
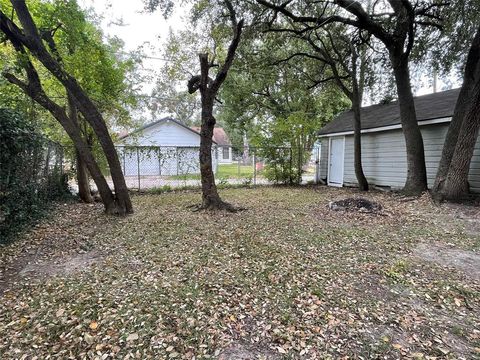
{"points": [[416, 182], [456, 185], [34, 90], [210, 197], [470, 78], [82, 180], [32, 41], [82, 175], [357, 145]]}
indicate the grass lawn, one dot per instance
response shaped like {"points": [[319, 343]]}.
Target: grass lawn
{"points": [[224, 171], [287, 278]]}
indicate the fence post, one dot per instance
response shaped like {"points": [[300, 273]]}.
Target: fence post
{"points": [[300, 164], [138, 168], [176, 157], [290, 173], [254, 166]]}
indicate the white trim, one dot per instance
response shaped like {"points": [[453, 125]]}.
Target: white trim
{"points": [[390, 127], [343, 162]]}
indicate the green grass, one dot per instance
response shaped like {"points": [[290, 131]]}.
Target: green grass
{"points": [[224, 171]]}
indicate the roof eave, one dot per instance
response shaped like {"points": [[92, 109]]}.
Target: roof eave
{"points": [[387, 128]]}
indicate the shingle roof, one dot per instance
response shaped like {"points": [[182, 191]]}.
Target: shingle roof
{"points": [[161, 121], [219, 136], [431, 106]]}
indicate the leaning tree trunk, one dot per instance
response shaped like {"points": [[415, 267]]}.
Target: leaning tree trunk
{"points": [[32, 41], [83, 182], [456, 185], [34, 90], [82, 174], [416, 182], [470, 77]]}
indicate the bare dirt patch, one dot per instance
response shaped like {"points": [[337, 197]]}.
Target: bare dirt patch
{"points": [[443, 255], [68, 265], [247, 352], [469, 215], [58, 245], [355, 204]]}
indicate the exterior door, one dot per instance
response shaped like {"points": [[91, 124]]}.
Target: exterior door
{"points": [[335, 173]]}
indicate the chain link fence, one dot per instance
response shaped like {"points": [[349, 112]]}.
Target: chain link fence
{"points": [[29, 180], [150, 167]]}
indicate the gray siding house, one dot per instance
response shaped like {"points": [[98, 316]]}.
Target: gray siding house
{"points": [[383, 145]]}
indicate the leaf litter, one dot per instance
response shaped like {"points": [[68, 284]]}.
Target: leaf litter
{"points": [[288, 278]]}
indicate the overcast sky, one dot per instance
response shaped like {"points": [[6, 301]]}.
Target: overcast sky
{"points": [[127, 20]]}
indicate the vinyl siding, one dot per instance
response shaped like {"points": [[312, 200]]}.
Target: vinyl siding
{"points": [[164, 134], [168, 149], [384, 157]]}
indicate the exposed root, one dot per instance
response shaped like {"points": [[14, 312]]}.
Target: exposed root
{"points": [[216, 206]]}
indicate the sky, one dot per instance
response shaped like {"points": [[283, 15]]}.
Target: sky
{"points": [[127, 20]]}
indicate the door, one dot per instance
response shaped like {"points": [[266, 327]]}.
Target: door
{"points": [[335, 173]]}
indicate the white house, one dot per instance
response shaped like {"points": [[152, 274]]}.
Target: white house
{"points": [[384, 157], [162, 148]]}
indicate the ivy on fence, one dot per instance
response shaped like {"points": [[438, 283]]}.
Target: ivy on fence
{"points": [[31, 173]]}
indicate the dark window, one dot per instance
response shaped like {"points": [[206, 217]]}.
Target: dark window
{"points": [[226, 153]]}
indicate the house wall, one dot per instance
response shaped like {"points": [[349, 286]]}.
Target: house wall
{"points": [[164, 149], [221, 160], [164, 134], [384, 157]]}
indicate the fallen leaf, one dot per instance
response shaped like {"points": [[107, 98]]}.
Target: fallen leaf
{"points": [[132, 337]]}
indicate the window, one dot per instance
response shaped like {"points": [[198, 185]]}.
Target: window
{"points": [[226, 153]]}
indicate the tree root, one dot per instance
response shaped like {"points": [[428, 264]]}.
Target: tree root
{"points": [[216, 206]]}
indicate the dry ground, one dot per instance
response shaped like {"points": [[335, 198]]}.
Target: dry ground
{"points": [[288, 278]]}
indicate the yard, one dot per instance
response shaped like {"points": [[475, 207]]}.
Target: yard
{"points": [[287, 278], [224, 171]]}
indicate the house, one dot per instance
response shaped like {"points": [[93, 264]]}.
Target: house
{"points": [[224, 145], [383, 144], [162, 148]]}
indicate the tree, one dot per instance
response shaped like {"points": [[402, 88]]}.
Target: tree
{"points": [[341, 54], [209, 88], [278, 102], [395, 23], [170, 97], [30, 38], [452, 175]]}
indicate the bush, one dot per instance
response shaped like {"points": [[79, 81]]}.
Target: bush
{"points": [[30, 173], [283, 165]]}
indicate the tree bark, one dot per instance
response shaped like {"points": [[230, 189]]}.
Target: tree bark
{"points": [[416, 182], [33, 42], [357, 147], [456, 185], [83, 181], [210, 198], [356, 99], [472, 68]]}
